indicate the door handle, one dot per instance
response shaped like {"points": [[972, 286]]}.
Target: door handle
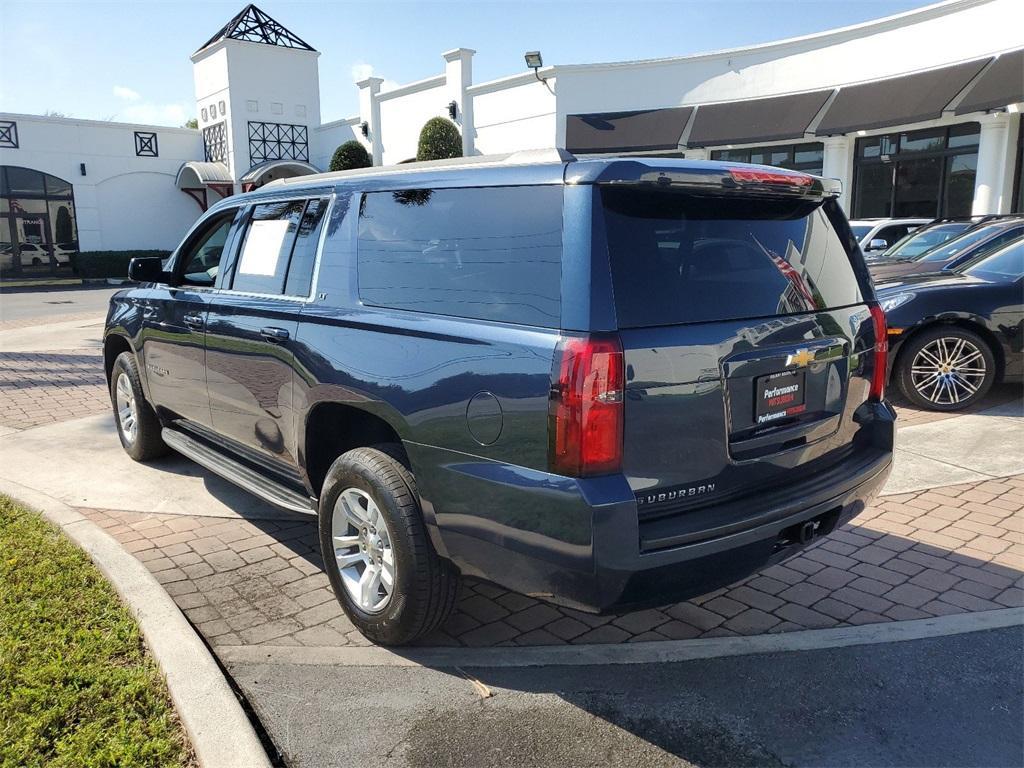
{"points": [[276, 335], [195, 322]]}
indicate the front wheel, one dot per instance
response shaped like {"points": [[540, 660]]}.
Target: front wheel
{"points": [[137, 423], [946, 369], [389, 580]]}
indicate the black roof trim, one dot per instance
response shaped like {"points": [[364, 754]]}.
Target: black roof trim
{"points": [[636, 131], [747, 122], [1000, 85], [897, 100], [254, 26]]}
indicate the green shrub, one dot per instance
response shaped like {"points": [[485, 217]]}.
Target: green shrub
{"points": [[350, 155], [100, 264], [439, 140]]}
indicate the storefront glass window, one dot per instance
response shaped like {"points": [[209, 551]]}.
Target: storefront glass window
{"points": [[38, 226], [807, 157], [917, 173]]}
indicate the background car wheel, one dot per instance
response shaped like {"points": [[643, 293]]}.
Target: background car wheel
{"points": [[380, 562], [137, 423], [946, 369]]}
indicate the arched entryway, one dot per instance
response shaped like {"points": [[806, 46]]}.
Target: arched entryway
{"points": [[38, 227], [270, 170]]}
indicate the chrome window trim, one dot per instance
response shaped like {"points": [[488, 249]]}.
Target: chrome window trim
{"points": [[311, 296]]}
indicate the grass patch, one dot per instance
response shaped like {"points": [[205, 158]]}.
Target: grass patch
{"points": [[77, 687]]}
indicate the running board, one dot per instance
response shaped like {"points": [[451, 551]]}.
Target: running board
{"points": [[237, 473]]}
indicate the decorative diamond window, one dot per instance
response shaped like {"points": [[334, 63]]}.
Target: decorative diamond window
{"points": [[215, 143], [8, 134], [277, 141], [145, 144]]}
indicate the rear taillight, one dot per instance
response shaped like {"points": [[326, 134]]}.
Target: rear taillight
{"points": [[881, 356], [759, 176], [586, 408]]}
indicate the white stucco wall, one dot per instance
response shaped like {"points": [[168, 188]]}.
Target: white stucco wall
{"points": [[915, 41], [513, 114], [122, 201], [403, 113]]}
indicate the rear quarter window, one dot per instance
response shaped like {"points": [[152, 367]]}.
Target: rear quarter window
{"points": [[491, 253], [684, 258]]}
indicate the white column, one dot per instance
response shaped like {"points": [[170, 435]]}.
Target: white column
{"points": [[995, 166], [837, 163], [458, 74], [369, 112]]}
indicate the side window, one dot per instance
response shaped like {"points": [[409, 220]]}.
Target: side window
{"points": [[492, 253], [201, 256], [300, 271], [263, 257], [279, 249]]}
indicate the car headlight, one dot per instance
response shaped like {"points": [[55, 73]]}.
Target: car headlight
{"points": [[889, 303]]}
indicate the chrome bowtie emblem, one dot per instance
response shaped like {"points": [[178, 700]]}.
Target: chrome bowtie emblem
{"points": [[801, 358]]}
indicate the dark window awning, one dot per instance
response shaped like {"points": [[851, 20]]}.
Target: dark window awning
{"points": [[643, 130], [1000, 85], [757, 120], [898, 100]]}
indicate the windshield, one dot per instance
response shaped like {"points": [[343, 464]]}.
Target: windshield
{"points": [[1007, 263], [920, 241], [859, 230], [957, 245]]}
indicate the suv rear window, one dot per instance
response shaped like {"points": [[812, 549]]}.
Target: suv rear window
{"points": [[493, 253], [685, 258]]}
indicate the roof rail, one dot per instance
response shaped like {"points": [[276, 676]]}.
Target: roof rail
{"points": [[522, 157]]}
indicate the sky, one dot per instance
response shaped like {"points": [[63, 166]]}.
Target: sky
{"points": [[129, 61]]}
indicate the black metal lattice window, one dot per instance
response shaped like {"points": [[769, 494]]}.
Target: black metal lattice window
{"points": [[215, 143], [277, 141], [8, 134], [145, 144]]}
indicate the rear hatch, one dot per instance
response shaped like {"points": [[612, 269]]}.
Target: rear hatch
{"points": [[747, 341]]}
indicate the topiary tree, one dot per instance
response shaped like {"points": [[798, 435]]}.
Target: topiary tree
{"points": [[439, 139], [350, 155]]}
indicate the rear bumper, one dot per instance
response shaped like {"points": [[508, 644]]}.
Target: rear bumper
{"points": [[580, 543]]}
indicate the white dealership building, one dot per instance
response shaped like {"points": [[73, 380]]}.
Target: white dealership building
{"points": [[917, 114]]}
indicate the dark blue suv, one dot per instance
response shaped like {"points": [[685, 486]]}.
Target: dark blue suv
{"points": [[605, 383]]}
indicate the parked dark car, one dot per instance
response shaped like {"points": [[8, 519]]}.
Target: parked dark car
{"points": [[920, 240], [605, 383], [967, 246], [953, 334]]}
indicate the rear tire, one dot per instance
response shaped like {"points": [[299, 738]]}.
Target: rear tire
{"points": [[382, 567], [137, 424], [945, 369]]}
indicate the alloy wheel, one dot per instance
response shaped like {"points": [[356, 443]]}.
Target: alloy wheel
{"points": [[362, 550], [127, 414], [948, 370]]}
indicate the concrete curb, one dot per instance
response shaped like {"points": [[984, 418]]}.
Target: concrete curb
{"points": [[219, 730], [627, 653]]}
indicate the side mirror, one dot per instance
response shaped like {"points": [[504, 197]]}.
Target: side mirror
{"points": [[149, 269], [878, 244]]}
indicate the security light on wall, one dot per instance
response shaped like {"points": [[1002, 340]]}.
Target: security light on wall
{"points": [[453, 109], [535, 61], [364, 128]]}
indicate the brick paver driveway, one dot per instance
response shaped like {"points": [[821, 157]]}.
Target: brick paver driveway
{"points": [[942, 551], [243, 582]]}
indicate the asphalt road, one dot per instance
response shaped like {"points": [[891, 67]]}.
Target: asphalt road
{"points": [[951, 701], [42, 302]]}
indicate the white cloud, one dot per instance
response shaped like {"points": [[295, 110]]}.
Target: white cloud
{"points": [[361, 70], [126, 93]]}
